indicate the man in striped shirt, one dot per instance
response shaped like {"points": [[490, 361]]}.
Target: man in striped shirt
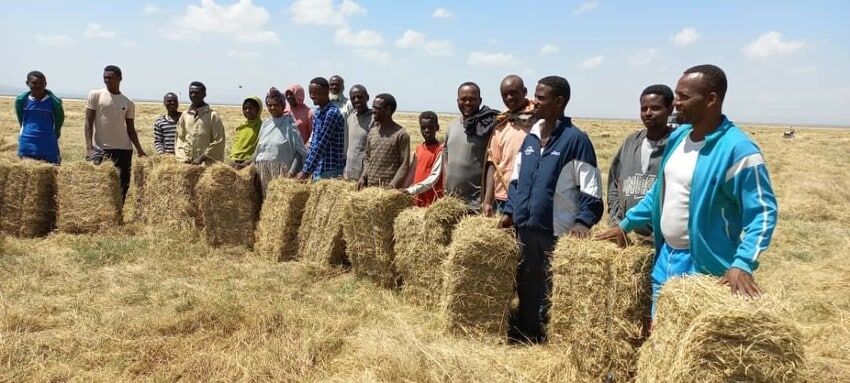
{"points": [[326, 158], [165, 127]]}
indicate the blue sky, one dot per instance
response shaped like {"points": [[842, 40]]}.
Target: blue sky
{"points": [[786, 60]]}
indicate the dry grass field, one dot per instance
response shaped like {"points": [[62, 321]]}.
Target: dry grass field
{"points": [[124, 307]]}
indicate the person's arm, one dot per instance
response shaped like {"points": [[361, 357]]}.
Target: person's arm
{"points": [[363, 181], [319, 141], [589, 184], [429, 181], [91, 113], [411, 172], [58, 116], [494, 157], [614, 208], [134, 138], [19, 108], [215, 150], [404, 156], [158, 139], [506, 221]]}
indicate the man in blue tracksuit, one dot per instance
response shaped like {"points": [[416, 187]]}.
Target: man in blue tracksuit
{"points": [[555, 190], [712, 202], [40, 116]]}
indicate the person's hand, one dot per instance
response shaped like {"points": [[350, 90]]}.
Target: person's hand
{"points": [[142, 153], [361, 183], [580, 231], [301, 176], [615, 235], [89, 153], [487, 210], [199, 160], [506, 222], [741, 282], [404, 191]]}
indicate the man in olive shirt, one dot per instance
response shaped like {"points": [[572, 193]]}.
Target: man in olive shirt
{"points": [[200, 132], [387, 148]]}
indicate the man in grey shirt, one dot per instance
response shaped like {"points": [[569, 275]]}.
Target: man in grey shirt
{"points": [[357, 125], [635, 166], [465, 150]]}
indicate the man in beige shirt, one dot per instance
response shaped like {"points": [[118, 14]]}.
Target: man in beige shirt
{"points": [[200, 132], [110, 130]]}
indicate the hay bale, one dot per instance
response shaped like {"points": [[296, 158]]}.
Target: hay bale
{"points": [[320, 236], [280, 218], [88, 198], [226, 204], [368, 232], [421, 247], [600, 301], [142, 168], [170, 200], [479, 278], [28, 199], [702, 333]]}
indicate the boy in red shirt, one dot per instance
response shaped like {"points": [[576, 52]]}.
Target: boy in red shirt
{"points": [[427, 164]]}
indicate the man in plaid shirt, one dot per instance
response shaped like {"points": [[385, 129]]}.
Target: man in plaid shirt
{"points": [[326, 155]]}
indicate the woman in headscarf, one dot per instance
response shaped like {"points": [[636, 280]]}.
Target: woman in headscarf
{"points": [[247, 133], [280, 151], [301, 114]]}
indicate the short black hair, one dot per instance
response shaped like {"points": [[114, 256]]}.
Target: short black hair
{"points": [[715, 79], [36, 74], [559, 84], [358, 86], [389, 99], [113, 68], [429, 115], [252, 102], [337, 76], [321, 81], [470, 83], [169, 94], [662, 90], [199, 85]]}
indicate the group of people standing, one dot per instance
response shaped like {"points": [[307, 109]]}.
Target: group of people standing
{"points": [[700, 192]]}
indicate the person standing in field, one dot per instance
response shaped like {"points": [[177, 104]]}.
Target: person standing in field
{"points": [[326, 157], [466, 146], [512, 127], [280, 149], [387, 148], [426, 174], [165, 126], [301, 114], [357, 124], [555, 190], [110, 129], [200, 132], [635, 166], [245, 142], [337, 97], [712, 208], [40, 116]]}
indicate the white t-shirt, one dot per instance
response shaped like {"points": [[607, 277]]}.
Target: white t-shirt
{"points": [[111, 113], [678, 174]]}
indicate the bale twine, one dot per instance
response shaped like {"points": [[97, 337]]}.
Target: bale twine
{"points": [[142, 167], [170, 200], [28, 199], [226, 205], [479, 278], [702, 333], [422, 241], [88, 198], [368, 232], [600, 301], [280, 218], [320, 236]]}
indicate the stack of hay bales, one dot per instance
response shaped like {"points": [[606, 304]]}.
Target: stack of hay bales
{"points": [[600, 301], [27, 198], [320, 236], [702, 333], [479, 278], [142, 168], [368, 232], [280, 218], [226, 206], [170, 201], [88, 198], [422, 238]]}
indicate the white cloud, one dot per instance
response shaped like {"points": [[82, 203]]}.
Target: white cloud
{"points": [[770, 44], [492, 59], [374, 55], [363, 39], [211, 19], [805, 69], [96, 31], [410, 39], [417, 40], [442, 13], [243, 55], [586, 6], [642, 58], [549, 49], [55, 40], [592, 62], [686, 36], [129, 44], [325, 12], [439, 48], [151, 9]]}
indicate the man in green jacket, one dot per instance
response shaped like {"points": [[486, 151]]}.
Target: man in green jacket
{"points": [[40, 116]]}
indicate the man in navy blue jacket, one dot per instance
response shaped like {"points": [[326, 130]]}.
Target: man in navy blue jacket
{"points": [[555, 190]]}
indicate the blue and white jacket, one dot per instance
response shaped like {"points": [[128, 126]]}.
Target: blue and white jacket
{"points": [[555, 187], [732, 206]]}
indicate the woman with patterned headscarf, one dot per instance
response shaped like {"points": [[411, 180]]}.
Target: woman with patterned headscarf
{"points": [[280, 150], [301, 114]]}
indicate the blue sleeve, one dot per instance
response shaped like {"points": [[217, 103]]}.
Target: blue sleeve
{"points": [[319, 142], [640, 215], [750, 184], [590, 204]]}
